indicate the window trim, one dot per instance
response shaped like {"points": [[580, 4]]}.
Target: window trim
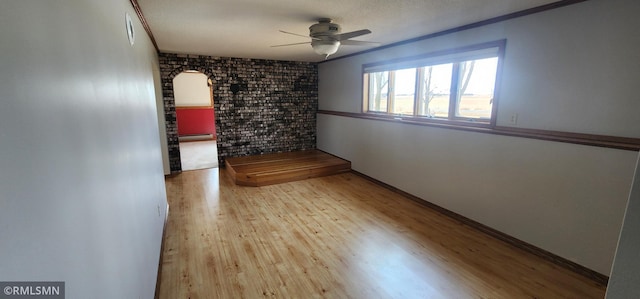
{"points": [[455, 56]]}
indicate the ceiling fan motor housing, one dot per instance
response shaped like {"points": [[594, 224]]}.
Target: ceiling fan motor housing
{"points": [[324, 29]]}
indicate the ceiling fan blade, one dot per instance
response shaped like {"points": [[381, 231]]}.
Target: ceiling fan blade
{"points": [[352, 34], [290, 44], [351, 42], [306, 36]]}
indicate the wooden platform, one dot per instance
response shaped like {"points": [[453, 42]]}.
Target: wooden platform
{"points": [[271, 169]]}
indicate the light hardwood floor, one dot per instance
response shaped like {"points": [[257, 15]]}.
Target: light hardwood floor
{"points": [[339, 236]]}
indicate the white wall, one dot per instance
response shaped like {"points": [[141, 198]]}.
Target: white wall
{"points": [[191, 90], [625, 280], [82, 196], [569, 69]]}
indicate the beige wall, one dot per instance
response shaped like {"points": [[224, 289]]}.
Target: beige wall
{"points": [[191, 90], [569, 69], [625, 280], [82, 196]]}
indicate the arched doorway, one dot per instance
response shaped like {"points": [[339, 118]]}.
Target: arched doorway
{"points": [[195, 120]]}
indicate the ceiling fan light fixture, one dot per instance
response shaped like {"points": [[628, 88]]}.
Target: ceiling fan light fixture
{"points": [[325, 47], [326, 37]]}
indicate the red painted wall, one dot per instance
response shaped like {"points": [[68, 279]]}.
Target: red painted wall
{"points": [[196, 121]]}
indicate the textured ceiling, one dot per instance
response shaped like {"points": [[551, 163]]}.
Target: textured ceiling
{"points": [[248, 28]]}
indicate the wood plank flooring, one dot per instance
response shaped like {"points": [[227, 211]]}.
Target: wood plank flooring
{"points": [[338, 236], [262, 170]]}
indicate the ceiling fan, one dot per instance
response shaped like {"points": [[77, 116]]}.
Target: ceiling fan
{"points": [[326, 37]]}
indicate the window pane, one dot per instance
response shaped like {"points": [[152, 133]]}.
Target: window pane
{"points": [[404, 90], [477, 81], [435, 89], [378, 91]]}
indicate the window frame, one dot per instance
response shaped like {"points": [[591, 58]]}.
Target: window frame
{"points": [[454, 56]]}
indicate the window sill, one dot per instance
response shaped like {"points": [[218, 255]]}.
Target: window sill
{"points": [[430, 121], [623, 143]]}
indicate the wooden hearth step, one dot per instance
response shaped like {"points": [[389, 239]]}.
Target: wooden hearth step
{"points": [[279, 168]]}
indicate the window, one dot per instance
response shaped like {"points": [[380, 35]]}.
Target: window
{"points": [[454, 85]]}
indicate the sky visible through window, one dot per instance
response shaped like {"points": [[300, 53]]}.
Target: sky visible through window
{"points": [[483, 79]]}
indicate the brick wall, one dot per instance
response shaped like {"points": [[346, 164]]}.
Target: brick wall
{"points": [[273, 109]]}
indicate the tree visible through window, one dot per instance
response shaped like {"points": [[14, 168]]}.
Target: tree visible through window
{"points": [[378, 85], [435, 90], [478, 79], [460, 89]]}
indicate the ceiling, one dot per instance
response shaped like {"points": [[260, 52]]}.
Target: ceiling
{"points": [[248, 28]]}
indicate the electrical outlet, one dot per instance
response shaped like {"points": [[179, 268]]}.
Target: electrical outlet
{"points": [[514, 119]]}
